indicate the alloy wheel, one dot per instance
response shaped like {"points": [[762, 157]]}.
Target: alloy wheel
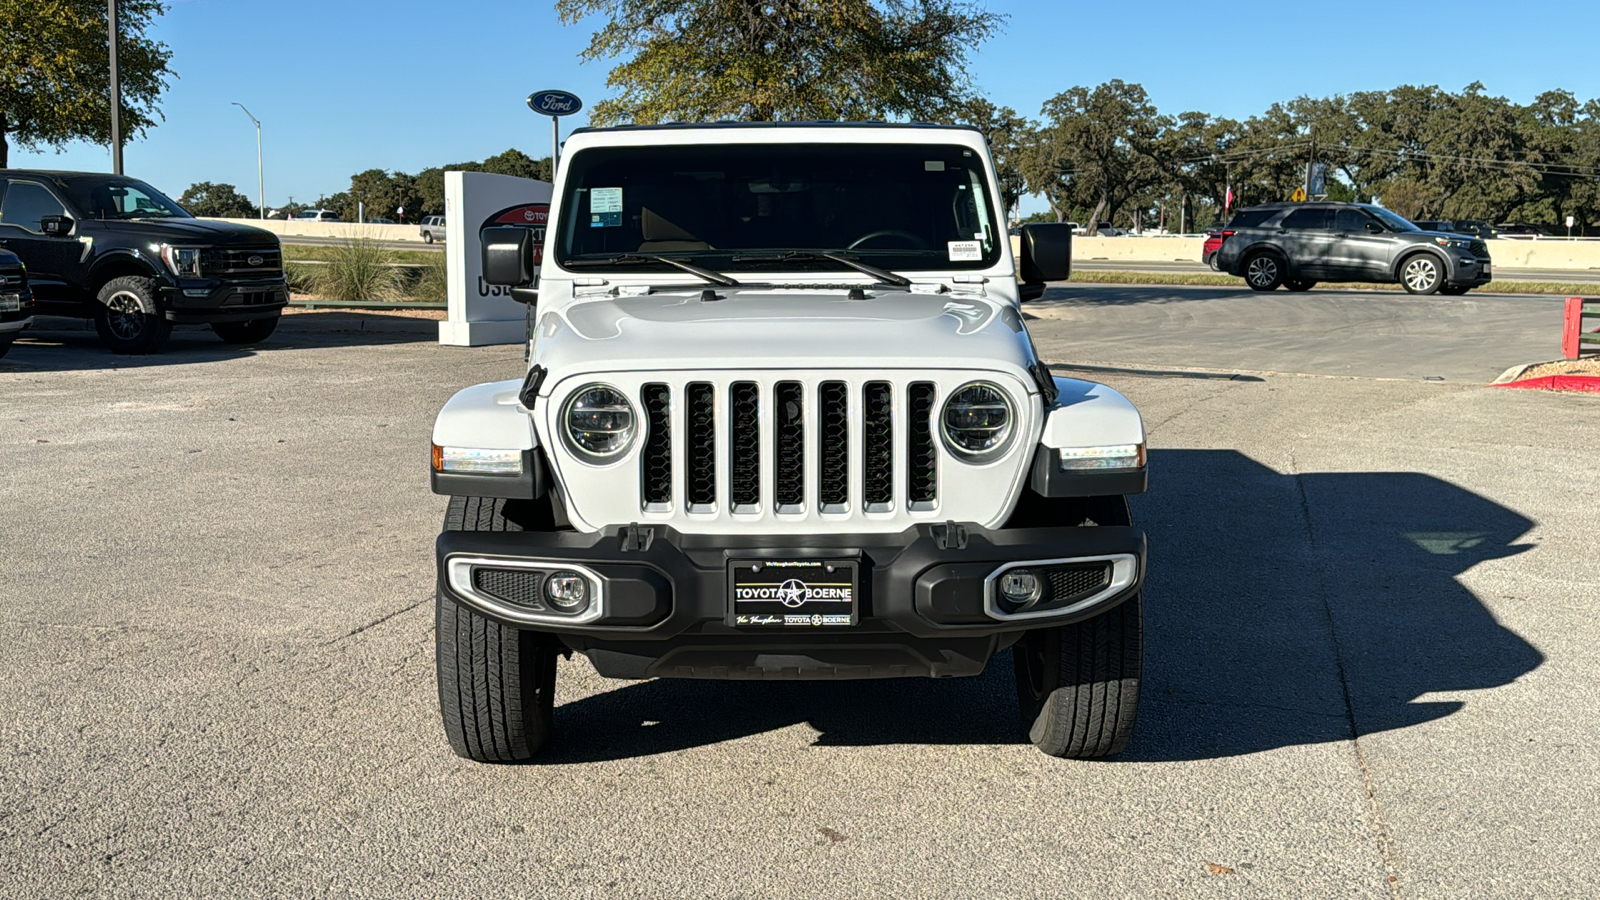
{"points": [[1262, 270], [1421, 275], [125, 315]]}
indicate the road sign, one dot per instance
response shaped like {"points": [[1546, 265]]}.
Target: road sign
{"points": [[1299, 195]]}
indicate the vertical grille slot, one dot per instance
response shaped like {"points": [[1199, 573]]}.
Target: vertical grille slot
{"points": [[655, 463], [833, 413], [744, 446], [700, 438], [877, 447], [790, 449], [923, 478]]}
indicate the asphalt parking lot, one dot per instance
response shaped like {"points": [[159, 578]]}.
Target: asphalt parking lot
{"points": [[1371, 670]]}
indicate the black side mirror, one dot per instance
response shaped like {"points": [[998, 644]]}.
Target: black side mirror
{"points": [[1046, 253], [508, 254], [56, 226], [1375, 228]]}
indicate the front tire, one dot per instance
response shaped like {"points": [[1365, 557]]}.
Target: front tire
{"points": [[497, 683], [1299, 285], [1263, 272], [1421, 274], [427, 237], [1078, 685], [129, 317], [253, 331]]}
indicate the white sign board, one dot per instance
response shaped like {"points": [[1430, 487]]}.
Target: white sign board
{"points": [[479, 313]]}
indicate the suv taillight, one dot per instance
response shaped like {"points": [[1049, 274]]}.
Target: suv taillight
{"points": [[1226, 235]]}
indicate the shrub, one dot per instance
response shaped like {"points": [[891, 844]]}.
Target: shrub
{"points": [[433, 281], [359, 269]]}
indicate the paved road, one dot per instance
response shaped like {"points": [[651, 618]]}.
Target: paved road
{"points": [[1377, 334], [1192, 267], [293, 239], [1373, 617]]}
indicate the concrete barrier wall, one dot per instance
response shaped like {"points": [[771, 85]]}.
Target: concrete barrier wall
{"points": [[335, 229]]}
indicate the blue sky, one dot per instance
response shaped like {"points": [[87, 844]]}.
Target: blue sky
{"points": [[347, 85]]}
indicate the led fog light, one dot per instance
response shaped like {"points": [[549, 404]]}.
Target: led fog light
{"points": [[1019, 586], [567, 591]]}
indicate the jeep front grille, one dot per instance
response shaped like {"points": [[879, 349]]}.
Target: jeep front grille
{"points": [[794, 420]]}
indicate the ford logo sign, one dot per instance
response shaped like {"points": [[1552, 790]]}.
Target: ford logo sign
{"points": [[554, 103], [255, 260]]}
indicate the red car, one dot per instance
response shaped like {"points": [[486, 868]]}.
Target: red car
{"points": [[1208, 250]]}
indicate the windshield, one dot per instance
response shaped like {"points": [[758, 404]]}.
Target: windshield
{"points": [[743, 207], [123, 199], [1390, 220]]}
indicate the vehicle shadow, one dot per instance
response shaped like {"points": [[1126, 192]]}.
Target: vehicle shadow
{"points": [[1089, 294], [1267, 595], [58, 344]]}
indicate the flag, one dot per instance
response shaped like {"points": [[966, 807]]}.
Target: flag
{"points": [[1227, 203]]}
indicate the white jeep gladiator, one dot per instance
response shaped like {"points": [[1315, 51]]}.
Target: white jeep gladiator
{"points": [[783, 420]]}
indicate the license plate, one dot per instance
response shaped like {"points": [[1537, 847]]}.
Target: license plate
{"points": [[10, 302], [794, 593], [1486, 268]]}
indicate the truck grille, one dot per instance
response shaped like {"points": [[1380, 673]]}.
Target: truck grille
{"points": [[794, 420], [237, 261]]}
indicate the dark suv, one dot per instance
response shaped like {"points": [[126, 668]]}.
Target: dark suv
{"points": [[16, 301], [1298, 244], [118, 251]]}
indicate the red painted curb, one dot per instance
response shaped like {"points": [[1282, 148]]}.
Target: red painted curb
{"points": [[1588, 383]]}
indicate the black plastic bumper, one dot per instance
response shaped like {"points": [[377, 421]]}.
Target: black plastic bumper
{"points": [[921, 613], [225, 301]]}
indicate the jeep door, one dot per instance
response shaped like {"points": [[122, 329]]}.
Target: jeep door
{"points": [[50, 260], [1307, 236], [1359, 252]]}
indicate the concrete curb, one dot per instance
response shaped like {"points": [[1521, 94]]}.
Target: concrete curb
{"points": [[1589, 384]]}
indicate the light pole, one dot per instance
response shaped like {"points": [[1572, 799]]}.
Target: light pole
{"points": [[261, 190], [116, 90]]}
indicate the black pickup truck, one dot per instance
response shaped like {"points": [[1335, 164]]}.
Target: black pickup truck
{"points": [[118, 251]]}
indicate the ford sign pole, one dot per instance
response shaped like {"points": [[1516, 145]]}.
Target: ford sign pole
{"points": [[554, 104]]}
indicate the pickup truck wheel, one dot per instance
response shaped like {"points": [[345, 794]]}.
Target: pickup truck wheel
{"points": [[1078, 685], [252, 332], [496, 683], [427, 237], [129, 317]]}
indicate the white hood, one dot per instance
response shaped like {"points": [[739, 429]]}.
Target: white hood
{"points": [[783, 328]]}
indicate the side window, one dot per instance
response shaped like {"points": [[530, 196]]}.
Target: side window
{"points": [[1352, 221], [1250, 218], [26, 203], [1305, 219]]}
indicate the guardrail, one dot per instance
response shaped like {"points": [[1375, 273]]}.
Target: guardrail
{"points": [[1573, 338]]}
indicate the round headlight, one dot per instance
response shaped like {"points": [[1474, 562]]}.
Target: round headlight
{"points": [[977, 421], [599, 422]]}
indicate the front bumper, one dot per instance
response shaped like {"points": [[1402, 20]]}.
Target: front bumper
{"points": [[15, 320], [922, 604], [1470, 271], [207, 300]]}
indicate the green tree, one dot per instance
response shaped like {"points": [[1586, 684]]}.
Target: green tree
{"points": [[1105, 143], [1006, 132], [217, 200], [55, 71], [769, 60], [515, 162]]}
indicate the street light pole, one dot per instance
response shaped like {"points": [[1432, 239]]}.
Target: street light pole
{"points": [[116, 91], [261, 190]]}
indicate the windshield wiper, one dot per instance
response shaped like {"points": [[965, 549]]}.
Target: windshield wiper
{"points": [[625, 258], [883, 275]]}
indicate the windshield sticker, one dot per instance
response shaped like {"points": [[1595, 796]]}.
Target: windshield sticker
{"points": [[933, 165], [965, 251], [605, 207]]}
